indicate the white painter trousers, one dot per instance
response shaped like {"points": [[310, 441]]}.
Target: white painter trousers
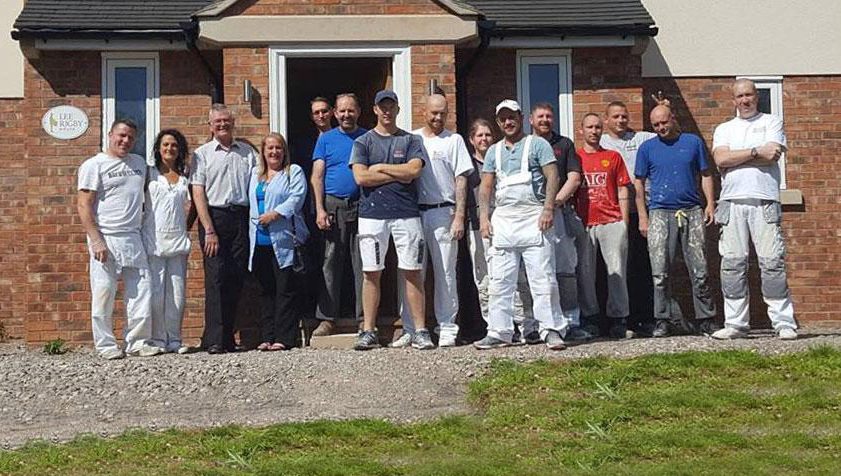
{"points": [[168, 276], [137, 296]]}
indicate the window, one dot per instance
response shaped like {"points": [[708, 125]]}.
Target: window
{"points": [[770, 92], [130, 90], [545, 76]]}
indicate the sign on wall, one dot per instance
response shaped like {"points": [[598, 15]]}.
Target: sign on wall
{"points": [[65, 122]]}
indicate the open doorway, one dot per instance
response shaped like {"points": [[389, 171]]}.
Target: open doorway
{"points": [[308, 78]]}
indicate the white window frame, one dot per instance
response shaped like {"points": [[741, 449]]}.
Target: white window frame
{"points": [[774, 85], [401, 73], [561, 57], [150, 61]]}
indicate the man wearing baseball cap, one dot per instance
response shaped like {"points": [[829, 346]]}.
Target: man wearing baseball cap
{"points": [[527, 181], [386, 162]]}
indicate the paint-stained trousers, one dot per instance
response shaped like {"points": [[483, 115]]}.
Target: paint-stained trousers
{"points": [[666, 228], [137, 295], [758, 221], [168, 277]]}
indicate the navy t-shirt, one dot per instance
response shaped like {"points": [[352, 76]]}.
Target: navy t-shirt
{"points": [[672, 168], [334, 148], [393, 199]]}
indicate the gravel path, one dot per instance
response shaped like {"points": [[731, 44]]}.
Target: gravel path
{"points": [[59, 397]]}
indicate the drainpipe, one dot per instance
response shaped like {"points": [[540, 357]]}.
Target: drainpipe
{"points": [[191, 34], [485, 29]]}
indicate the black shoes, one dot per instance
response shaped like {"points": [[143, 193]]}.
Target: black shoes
{"points": [[216, 349]]}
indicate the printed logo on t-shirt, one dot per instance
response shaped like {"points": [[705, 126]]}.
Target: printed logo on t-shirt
{"points": [[758, 130], [605, 163], [630, 146], [399, 154], [596, 179], [439, 155], [124, 173]]}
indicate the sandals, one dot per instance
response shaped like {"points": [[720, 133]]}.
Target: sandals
{"points": [[277, 346], [264, 347]]}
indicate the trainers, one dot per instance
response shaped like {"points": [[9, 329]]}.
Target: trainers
{"points": [[112, 354], [325, 328], [787, 333], [729, 333], [447, 341], [489, 342], [421, 340], [554, 341], [517, 337], [533, 338], [618, 330], [184, 349], [707, 326], [404, 340], [578, 334], [661, 329], [146, 350], [366, 340]]}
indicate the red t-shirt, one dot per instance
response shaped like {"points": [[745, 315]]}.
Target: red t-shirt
{"points": [[598, 196]]}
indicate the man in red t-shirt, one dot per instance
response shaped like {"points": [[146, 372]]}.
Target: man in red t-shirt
{"points": [[603, 205]]}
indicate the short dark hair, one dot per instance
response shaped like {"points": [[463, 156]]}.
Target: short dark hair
{"points": [[542, 105], [321, 99], [126, 122], [615, 104], [181, 160], [590, 114]]}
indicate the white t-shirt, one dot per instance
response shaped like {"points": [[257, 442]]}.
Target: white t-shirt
{"points": [[627, 146], [747, 180], [118, 184], [165, 219], [448, 158]]}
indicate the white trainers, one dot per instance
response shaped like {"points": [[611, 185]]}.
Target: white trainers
{"points": [[729, 333], [404, 340], [184, 350], [112, 354], [787, 333], [146, 350], [447, 341]]}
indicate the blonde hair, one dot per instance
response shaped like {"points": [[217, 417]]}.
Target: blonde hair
{"points": [[262, 165]]}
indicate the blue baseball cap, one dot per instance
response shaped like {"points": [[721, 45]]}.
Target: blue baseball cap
{"points": [[385, 94]]}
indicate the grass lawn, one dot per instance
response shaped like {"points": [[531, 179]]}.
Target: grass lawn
{"points": [[693, 413]]}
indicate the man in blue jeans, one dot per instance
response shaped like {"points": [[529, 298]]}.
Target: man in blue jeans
{"points": [[672, 163]]}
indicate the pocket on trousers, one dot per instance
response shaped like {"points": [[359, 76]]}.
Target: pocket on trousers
{"points": [[722, 212], [772, 212]]}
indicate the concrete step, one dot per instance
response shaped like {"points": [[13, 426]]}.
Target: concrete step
{"points": [[335, 341]]}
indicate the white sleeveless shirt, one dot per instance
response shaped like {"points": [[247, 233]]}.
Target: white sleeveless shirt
{"points": [[165, 217]]}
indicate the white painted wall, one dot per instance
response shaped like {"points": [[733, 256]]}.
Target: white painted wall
{"points": [[744, 37], [11, 74]]}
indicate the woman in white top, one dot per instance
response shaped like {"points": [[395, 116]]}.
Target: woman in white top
{"points": [[276, 193], [165, 237]]}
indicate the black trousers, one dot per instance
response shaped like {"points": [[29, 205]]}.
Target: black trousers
{"points": [[640, 285], [277, 298], [224, 274]]}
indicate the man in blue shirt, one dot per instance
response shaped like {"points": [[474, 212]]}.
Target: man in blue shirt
{"points": [[386, 162], [672, 162], [336, 196]]}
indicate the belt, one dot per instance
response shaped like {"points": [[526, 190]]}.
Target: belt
{"points": [[424, 207], [342, 199], [231, 208]]}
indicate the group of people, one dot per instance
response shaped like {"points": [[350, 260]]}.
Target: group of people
{"points": [[536, 213]]}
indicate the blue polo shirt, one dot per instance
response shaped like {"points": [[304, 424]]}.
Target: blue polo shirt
{"points": [[334, 148], [672, 167]]}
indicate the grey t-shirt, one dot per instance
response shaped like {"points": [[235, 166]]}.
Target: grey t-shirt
{"points": [[393, 199]]}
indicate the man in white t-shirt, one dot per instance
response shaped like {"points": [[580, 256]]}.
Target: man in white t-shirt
{"points": [[110, 205], [442, 199], [747, 149]]}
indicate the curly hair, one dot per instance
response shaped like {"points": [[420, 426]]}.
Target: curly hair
{"points": [[181, 159]]}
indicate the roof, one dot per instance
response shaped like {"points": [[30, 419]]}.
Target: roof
{"points": [[75, 16], [566, 16], [79, 18]]}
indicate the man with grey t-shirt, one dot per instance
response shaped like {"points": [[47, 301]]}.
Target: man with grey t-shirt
{"points": [[110, 205]]}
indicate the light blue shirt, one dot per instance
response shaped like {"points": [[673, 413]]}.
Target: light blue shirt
{"points": [[285, 194]]}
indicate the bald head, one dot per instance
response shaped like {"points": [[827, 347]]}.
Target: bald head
{"points": [[435, 113], [743, 84], [745, 98], [663, 122]]}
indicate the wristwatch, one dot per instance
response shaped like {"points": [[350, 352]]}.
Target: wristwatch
{"points": [[753, 153]]}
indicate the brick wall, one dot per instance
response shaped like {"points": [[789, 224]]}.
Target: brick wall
{"points": [[12, 215], [812, 115]]}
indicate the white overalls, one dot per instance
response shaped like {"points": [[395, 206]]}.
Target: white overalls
{"points": [[516, 237]]}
